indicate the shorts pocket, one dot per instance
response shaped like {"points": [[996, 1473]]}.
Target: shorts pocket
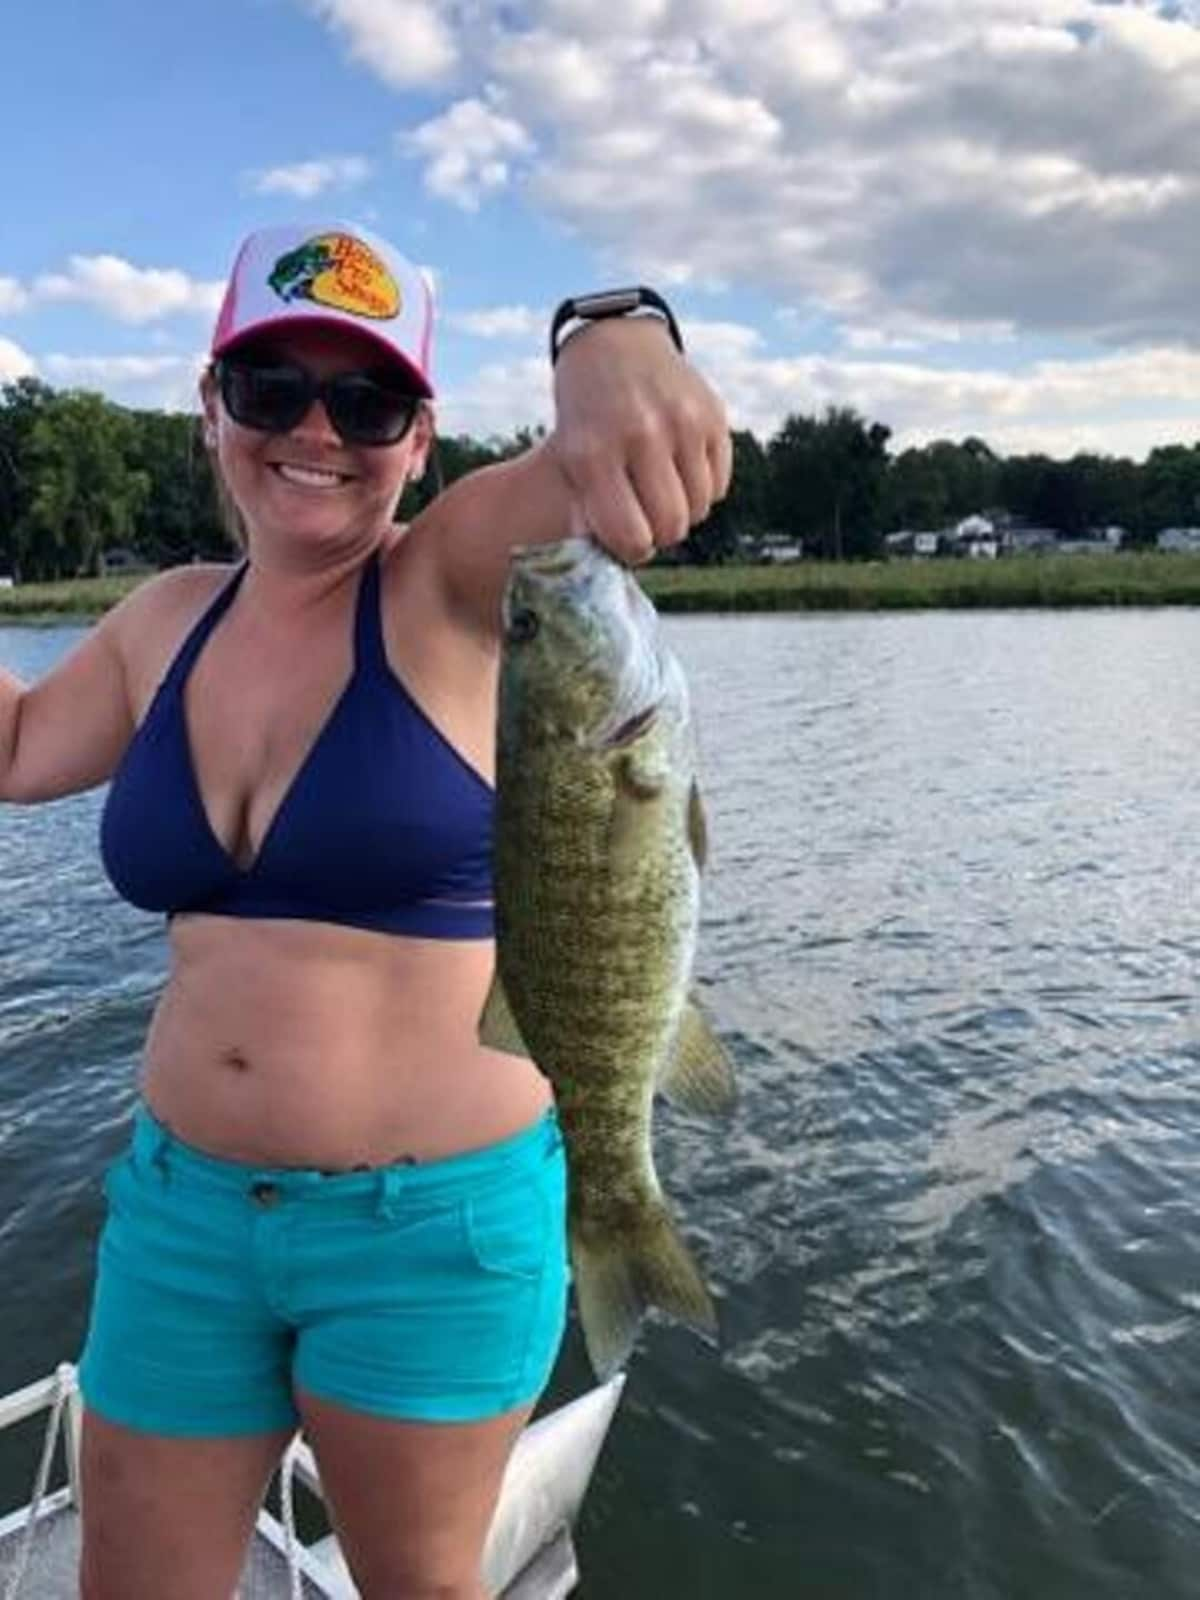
{"points": [[508, 1230]]}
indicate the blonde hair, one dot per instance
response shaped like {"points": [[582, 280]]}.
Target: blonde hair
{"points": [[227, 507], [231, 517]]}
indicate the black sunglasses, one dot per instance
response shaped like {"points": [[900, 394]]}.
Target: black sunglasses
{"points": [[366, 408]]}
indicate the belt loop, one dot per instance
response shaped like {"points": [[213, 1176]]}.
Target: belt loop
{"points": [[389, 1194]]}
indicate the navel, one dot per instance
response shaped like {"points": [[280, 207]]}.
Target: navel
{"points": [[234, 1059]]}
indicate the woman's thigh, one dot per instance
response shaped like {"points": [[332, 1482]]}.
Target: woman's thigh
{"points": [[169, 1518], [411, 1502]]}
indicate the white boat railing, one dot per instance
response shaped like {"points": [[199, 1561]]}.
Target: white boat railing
{"points": [[544, 1485], [60, 1395]]}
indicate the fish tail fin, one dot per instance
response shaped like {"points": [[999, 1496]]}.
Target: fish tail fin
{"points": [[618, 1277]]}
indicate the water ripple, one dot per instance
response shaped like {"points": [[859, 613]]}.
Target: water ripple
{"points": [[950, 937]]}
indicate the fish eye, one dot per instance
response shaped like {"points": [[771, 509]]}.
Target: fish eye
{"points": [[522, 626]]}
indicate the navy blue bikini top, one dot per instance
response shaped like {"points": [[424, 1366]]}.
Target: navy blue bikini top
{"points": [[385, 826]]}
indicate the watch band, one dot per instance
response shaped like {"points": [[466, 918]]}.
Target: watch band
{"points": [[610, 303]]}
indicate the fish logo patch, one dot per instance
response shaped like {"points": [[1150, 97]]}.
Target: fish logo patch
{"points": [[338, 271]]}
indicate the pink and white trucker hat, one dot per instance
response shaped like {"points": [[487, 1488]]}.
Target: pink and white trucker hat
{"points": [[333, 273]]}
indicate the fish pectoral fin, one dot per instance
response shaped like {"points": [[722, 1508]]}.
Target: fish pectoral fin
{"points": [[618, 1278], [641, 773], [697, 827], [698, 1074], [638, 790], [497, 1025]]}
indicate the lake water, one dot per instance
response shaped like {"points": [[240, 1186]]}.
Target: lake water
{"points": [[951, 935]]}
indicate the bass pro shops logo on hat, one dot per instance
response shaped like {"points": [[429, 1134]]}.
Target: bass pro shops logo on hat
{"points": [[340, 272], [335, 274]]}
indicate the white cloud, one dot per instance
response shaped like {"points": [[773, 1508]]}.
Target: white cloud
{"points": [[937, 172], [106, 370], [13, 297], [166, 382], [407, 43], [468, 150], [500, 322], [498, 399], [1121, 405], [1124, 404], [129, 293], [14, 362], [1020, 164], [306, 179], [902, 331]]}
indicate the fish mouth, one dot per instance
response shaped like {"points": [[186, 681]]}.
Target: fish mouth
{"points": [[556, 560], [569, 569]]}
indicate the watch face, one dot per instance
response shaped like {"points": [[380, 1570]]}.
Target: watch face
{"points": [[608, 303]]}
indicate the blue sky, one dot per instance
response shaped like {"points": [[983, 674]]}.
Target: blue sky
{"points": [[959, 217]]}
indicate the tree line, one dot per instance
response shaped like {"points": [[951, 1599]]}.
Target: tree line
{"points": [[80, 475]]}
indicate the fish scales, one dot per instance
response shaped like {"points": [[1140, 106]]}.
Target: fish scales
{"points": [[590, 1018], [597, 903]]}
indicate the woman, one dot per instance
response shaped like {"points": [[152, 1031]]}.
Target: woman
{"points": [[338, 1210]]}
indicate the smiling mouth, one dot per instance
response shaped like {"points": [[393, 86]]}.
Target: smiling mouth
{"points": [[309, 477]]}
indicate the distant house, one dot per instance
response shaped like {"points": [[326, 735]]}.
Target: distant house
{"points": [[1179, 539], [1087, 547], [976, 538], [975, 527], [912, 542], [773, 552], [1023, 539], [120, 559]]}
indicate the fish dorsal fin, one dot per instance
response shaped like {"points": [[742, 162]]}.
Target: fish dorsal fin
{"points": [[698, 1074], [697, 828], [497, 1025]]}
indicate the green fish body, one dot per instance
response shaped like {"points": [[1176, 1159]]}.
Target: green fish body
{"points": [[598, 853]]}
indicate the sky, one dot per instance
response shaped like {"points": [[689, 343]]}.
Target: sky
{"points": [[958, 216]]}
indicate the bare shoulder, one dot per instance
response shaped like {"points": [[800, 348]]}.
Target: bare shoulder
{"points": [[151, 622]]}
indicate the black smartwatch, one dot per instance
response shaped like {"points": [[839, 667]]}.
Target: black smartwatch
{"points": [[609, 303]]}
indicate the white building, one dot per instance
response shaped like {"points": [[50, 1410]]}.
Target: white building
{"points": [[1179, 539], [975, 527]]}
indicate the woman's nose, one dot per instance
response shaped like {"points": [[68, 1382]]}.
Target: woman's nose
{"points": [[315, 423]]}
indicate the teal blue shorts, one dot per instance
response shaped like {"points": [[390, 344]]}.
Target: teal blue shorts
{"points": [[431, 1292]]}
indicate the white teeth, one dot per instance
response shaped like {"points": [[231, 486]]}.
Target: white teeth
{"points": [[309, 477]]}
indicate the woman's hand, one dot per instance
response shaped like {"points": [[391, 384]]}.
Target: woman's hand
{"points": [[641, 438]]}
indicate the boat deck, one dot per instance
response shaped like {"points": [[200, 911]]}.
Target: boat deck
{"points": [[53, 1569], [529, 1555]]}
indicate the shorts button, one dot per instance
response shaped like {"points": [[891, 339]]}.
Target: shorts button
{"points": [[267, 1194]]}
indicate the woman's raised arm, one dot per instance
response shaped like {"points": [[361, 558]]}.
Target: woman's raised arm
{"points": [[639, 454]]}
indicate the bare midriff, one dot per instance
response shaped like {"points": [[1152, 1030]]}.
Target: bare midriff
{"points": [[304, 1044]]}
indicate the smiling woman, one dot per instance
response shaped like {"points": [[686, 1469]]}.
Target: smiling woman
{"points": [[300, 752], [376, 436]]}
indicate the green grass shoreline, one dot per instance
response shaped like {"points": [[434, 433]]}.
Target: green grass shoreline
{"points": [[1145, 578]]}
